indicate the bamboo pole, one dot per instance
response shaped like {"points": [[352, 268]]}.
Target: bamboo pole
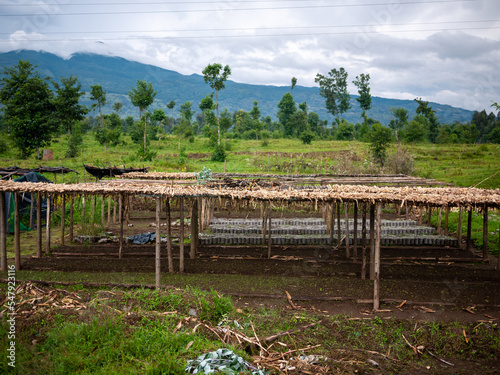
{"points": [[376, 284], [3, 232], [71, 212], [446, 221], [439, 229], [332, 222], [39, 225], [194, 229], [114, 210], [460, 219], [355, 234], [372, 241], [169, 236], [63, 218], [485, 233], [339, 233], [120, 218], [468, 241], [17, 233], [92, 213], [32, 208], [420, 215], [269, 232], [47, 228], [429, 212], [103, 217], [109, 210], [158, 245], [347, 245], [127, 209], [181, 235], [363, 242], [264, 221]]}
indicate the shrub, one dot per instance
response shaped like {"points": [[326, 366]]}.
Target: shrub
{"points": [[401, 161], [219, 154]]}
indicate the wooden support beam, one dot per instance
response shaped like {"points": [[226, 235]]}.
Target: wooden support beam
{"points": [[92, 213], [264, 221], [39, 224], [32, 208], [71, 213], [158, 245], [47, 228], [339, 232], [439, 229], [460, 220], [84, 214], [194, 229], [3, 231], [63, 217], [376, 284], [120, 219], [17, 233], [181, 235], [109, 210], [103, 217], [355, 234], [498, 256], [363, 242], [446, 220], [332, 222], [468, 241], [347, 245], [429, 214], [485, 233], [114, 210], [269, 239], [169, 236], [372, 241]]}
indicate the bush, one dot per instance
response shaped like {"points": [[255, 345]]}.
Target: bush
{"points": [[401, 161], [307, 137], [146, 156], [219, 154]]}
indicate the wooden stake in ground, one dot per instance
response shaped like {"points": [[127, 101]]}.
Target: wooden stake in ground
{"points": [[17, 232], [169, 236], [3, 232], [269, 240], [376, 284], [194, 229], [63, 217], [71, 212], [47, 222], [181, 235], [460, 219], [158, 245], [39, 225], [120, 219], [363, 242], [468, 241], [485, 233], [355, 234], [372, 241], [347, 247]]}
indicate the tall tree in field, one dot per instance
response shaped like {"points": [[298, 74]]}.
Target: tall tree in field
{"points": [[400, 121], [362, 82], [28, 109], [215, 76], [171, 106], [287, 108], [334, 89], [68, 109], [426, 110], [98, 95], [142, 96]]}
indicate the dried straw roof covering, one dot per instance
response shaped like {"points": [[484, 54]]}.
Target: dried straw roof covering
{"points": [[440, 196], [159, 175]]}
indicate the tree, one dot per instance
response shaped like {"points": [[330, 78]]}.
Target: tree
{"points": [[142, 96], [294, 82], [117, 107], [433, 123], [98, 95], [158, 117], [380, 137], [287, 108], [255, 112], [416, 129], [182, 127], [28, 109], [215, 76], [334, 89], [400, 121], [171, 106], [362, 82], [68, 109]]}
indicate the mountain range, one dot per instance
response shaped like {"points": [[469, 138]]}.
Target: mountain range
{"points": [[117, 76]]}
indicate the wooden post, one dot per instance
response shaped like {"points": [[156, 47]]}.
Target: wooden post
{"points": [[332, 222], [47, 231], [109, 210], [71, 212], [339, 233], [114, 210], [84, 214], [3, 231], [376, 284], [485, 233], [347, 246], [460, 219], [32, 208], [169, 236], [363, 243], [103, 217], [355, 234], [194, 229], [39, 225], [429, 212], [92, 214], [440, 231], [269, 240], [446, 220], [17, 232], [158, 245], [498, 257], [181, 235], [420, 215], [127, 209], [372, 241], [120, 219], [468, 241], [63, 218], [264, 221]]}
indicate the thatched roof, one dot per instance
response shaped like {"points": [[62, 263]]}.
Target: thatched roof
{"points": [[435, 196]]}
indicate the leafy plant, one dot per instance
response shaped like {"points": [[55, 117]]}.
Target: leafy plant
{"points": [[223, 360]]}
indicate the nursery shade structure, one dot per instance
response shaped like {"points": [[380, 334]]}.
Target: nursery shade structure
{"points": [[374, 196]]}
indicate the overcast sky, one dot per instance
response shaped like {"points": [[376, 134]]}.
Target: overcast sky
{"points": [[446, 51]]}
